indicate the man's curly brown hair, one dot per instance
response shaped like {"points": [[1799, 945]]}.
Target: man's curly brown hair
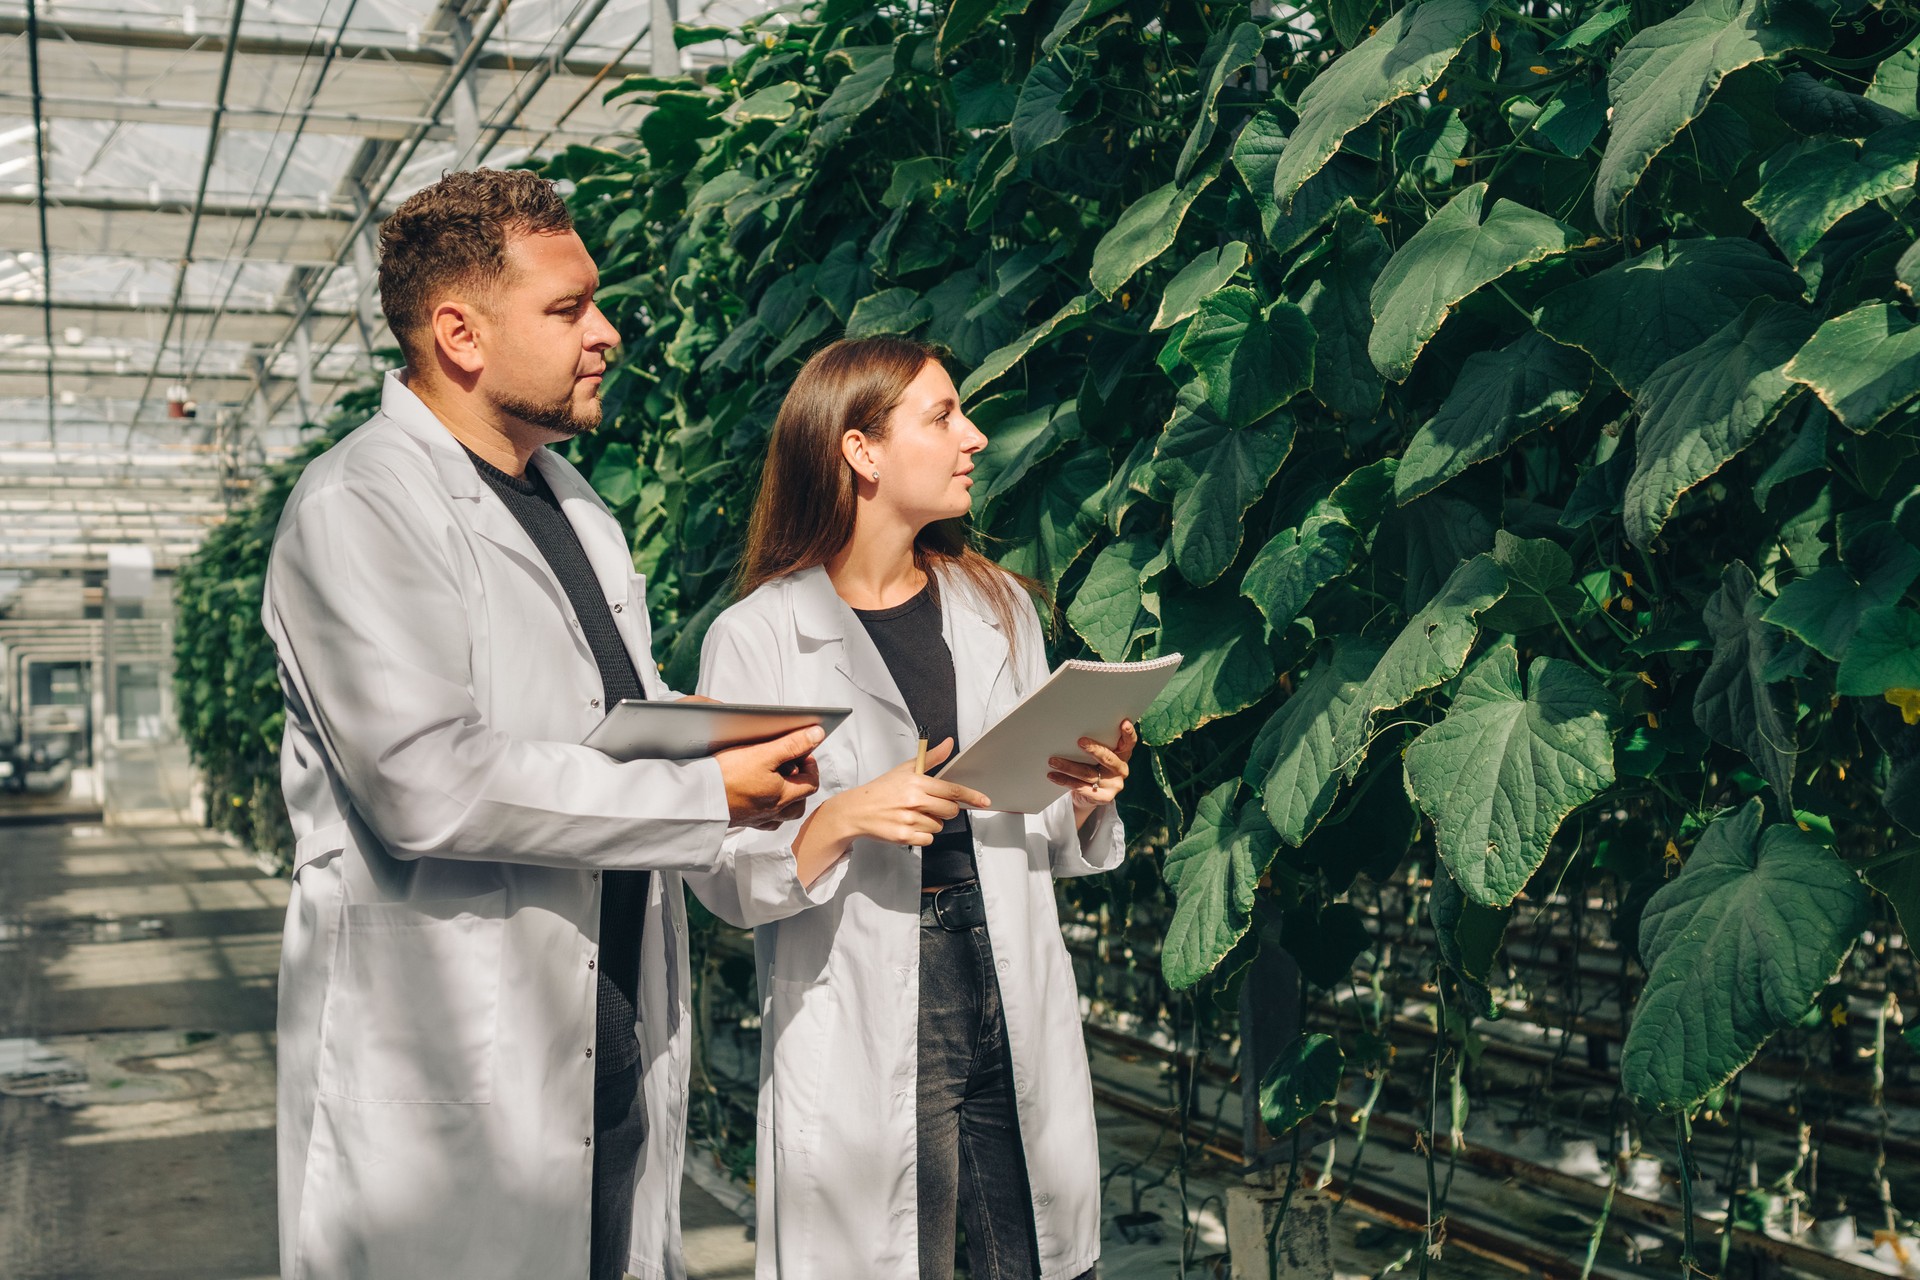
{"points": [[454, 234]]}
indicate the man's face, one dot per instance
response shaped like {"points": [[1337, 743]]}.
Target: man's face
{"points": [[546, 342]]}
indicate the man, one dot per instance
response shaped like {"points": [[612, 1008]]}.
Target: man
{"points": [[483, 986]]}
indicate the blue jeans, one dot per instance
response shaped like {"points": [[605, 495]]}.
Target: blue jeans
{"points": [[972, 1167]]}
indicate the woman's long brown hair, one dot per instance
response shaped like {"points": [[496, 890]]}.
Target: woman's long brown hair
{"points": [[803, 515]]}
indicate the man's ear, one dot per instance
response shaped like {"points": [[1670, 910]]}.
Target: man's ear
{"points": [[456, 337]]}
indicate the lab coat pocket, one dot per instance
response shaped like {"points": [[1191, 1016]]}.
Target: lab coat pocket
{"points": [[800, 1018], [413, 1008]]}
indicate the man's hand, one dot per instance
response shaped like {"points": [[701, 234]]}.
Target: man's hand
{"points": [[768, 782]]}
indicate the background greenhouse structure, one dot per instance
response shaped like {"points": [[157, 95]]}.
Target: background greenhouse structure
{"points": [[1510, 410]]}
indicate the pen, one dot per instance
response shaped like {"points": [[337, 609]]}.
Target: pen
{"points": [[920, 755]]}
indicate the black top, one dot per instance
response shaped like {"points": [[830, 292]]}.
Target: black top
{"points": [[908, 637], [623, 894]]}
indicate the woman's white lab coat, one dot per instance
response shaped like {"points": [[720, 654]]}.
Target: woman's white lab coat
{"points": [[839, 962], [437, 979]]}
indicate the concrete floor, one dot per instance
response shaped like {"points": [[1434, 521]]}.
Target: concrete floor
{"points": [[137, 972]]}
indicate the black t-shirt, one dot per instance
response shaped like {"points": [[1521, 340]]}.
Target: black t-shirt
{"points": [[623, 894], [908, 637]]}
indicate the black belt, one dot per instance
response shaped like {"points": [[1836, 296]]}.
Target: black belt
{"points": [[954, 908]]}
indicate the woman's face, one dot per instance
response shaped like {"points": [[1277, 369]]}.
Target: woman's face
{"points": [[925, 461]]}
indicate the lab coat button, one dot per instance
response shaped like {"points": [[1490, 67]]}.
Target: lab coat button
{"points": [[1003, 966], [617, 608], [589, 1142], [593, 702], [589, 1053], [590, 964]]}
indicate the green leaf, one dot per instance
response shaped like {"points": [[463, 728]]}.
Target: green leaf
{"points": [[1297, 562], [1896, 82], [616, 474], [1349, 19], [1429, 651], [1634, 317], [1468, 937], [1040, 113], [1406, 55], [1213, 873], [1507, 765], [1863, 365], [1573, 119], [1700, 409], [1308, 764], [1107, 611], [1427, 151], [1331, 283], [912, 179], [1227, 667], [1216, 473], [1454, 253], [1020, 443], [1145, 231], [850, 99], [1226, 53], [1899, 883], [1249, 362], [1803, 195], [688, 34], [962, 19], [1539, 585], [1824, 608], [1498, 397], [1715, 991], [1304, 1078], [1594, 31], [1664, 76], [1061, 514], [1735, 704], [1065, 320], [1199, 280], [1884, 653], [898, 310]]}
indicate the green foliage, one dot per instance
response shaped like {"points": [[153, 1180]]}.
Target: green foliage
{"points": [[1370, 369], [1368, 358]]}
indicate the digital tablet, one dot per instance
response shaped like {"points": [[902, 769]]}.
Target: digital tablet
{"points": [[636, 729]]}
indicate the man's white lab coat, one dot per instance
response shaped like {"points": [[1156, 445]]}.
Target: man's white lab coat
{"points": [[437, 979]]}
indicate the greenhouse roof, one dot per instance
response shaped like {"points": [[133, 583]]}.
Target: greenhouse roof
{"points": [[201, 226]]}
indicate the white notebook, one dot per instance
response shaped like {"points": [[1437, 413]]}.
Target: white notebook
{"points": [[1079, 700]]}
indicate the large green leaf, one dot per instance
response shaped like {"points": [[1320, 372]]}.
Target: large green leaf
{"points": [[1804, 194], [1863, 365], [1332, 282], [1635, 316], [1227, 667], [1406, 55], [1468, 937], [872, 72], [1884, 653], [1498, 397], [962, 19], [1735, 704], [1226, 53], [1107, 610], [1199, 280], [1539, 584], [1250, 360], [1429, 650], [1040, 113], [896, 310], [1664, 76], [1065, 320], [1145, 231], [1506, 766], [1061, 513], [1256, 155], [1298, 561], [1824, 608], [1213, 873], [1700, 409], [1216, 473], [1020, 443], [1304, 777], [1462, 248], [1737, 947], [1304, 1078]]}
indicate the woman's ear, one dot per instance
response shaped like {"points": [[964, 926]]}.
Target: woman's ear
{"points": [[854, 448]]}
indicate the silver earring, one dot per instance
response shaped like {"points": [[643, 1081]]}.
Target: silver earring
{"points": [[876, 475]]}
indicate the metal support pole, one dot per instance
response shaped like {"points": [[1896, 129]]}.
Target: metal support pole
{"points": [[663, 51]]}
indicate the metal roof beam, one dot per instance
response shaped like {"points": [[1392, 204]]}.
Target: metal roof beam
{"points": [[108, 321], [433, 53]]}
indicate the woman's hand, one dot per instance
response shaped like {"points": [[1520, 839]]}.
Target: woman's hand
{"points": [[901, 806], [1092, 785]]}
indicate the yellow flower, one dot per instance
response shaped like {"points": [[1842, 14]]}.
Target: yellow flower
{"points": [[1908, 700], [1538, 70], [1493, 38], [1442, 97], [1839, 1015], [1648, 680], [1673, 852]]}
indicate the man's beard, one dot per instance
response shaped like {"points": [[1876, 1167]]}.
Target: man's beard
{"points": [[558, 416]]}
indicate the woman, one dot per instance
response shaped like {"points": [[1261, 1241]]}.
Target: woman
{"points": [[921, 1052]]}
